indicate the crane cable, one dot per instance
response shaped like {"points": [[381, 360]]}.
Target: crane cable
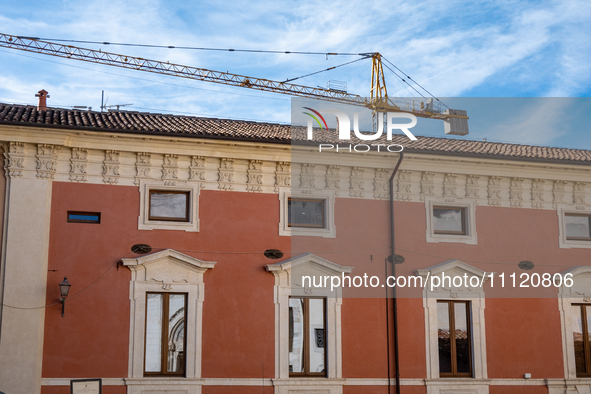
{"points": [[195, 48]]}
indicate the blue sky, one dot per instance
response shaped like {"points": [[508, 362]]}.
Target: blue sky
{"points": [[453, 48]]}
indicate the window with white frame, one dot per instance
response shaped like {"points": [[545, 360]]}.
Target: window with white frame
{"points": [[306, 214], [307, 322], [166, 316], [168, 207], [574, 302], [454, 324], [574, 224], [450, 221]]}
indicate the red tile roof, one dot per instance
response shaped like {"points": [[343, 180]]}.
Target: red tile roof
{"points": [[188, 126]]}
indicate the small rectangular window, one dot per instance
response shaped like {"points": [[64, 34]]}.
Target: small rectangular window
{"points": [[455, 339], [582, 339], [307, 337], [84, 217], [306, 213], [168, 205], [449, 220], [166, 323], [578, 226]]}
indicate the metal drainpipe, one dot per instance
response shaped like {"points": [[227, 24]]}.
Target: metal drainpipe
{"points": [[394, 301]]}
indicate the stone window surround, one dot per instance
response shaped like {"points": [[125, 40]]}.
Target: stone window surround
{"points": [[470, 220], [579, 293], [478, 383], [144, 223], [563, 209], [329, 202], [285, 286], [174, 272]]}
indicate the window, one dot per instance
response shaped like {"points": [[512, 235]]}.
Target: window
{"points": [[449, 220], [305, 213], [168, 205], [582, 339], [577, 226], [455, 327], [307, 336], [453, 221], [165, 207], [166, 324], [454, 338], [84, 217]]}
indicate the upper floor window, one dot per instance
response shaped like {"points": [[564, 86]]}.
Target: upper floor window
{"points": [[449, 220], [304, 212], [307, 336], [577, 226], [582, 338], [167, 205], [454, 338], [166, 324]]}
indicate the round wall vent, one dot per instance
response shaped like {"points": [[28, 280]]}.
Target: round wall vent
{"points": [[526, 265], [273, 254], [399, 259], [141, 249]]}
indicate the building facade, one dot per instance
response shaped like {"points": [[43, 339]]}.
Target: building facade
{"points": [[185, 241]]}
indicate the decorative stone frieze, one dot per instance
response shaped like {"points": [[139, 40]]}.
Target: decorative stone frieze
{"points": [[15, 160], [254, 182], [404, 185], [516, 192], [78, 164], [46, 160], [472, 186], [494, 191], [427, 184], [142, 167], [111, 166], [170, 169], [282, 175], [579, 193], [558, 192], [307, 178], [333, 179], [226, 174], [357, 182], [197, 170], [450, 187], [537, 193], [381, 188]]}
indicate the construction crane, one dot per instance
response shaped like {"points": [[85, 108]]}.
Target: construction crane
{"points": [[456, 121]]}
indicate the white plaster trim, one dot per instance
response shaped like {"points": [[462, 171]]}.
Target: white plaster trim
{"points": [[470, 211], [476, 297], [561, 210], [304, 381], [285, 286], [144, 223], [166, 271], [329, 201], [578, 293]]}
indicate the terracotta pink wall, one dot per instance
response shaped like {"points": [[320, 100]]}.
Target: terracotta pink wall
{"points": [[238, 316]]}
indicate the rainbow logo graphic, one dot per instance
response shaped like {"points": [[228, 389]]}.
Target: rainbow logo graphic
{"points": [[315, 118]]}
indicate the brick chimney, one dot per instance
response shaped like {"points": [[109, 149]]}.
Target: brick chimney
{"points": [[43, 96]]}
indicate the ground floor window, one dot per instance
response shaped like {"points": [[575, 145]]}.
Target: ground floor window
{"points": [[454, 337], [307, 336], [582, 338], [166, 324]]}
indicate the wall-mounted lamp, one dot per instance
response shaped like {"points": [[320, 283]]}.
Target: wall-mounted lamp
{"points": [[64, 290]]}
